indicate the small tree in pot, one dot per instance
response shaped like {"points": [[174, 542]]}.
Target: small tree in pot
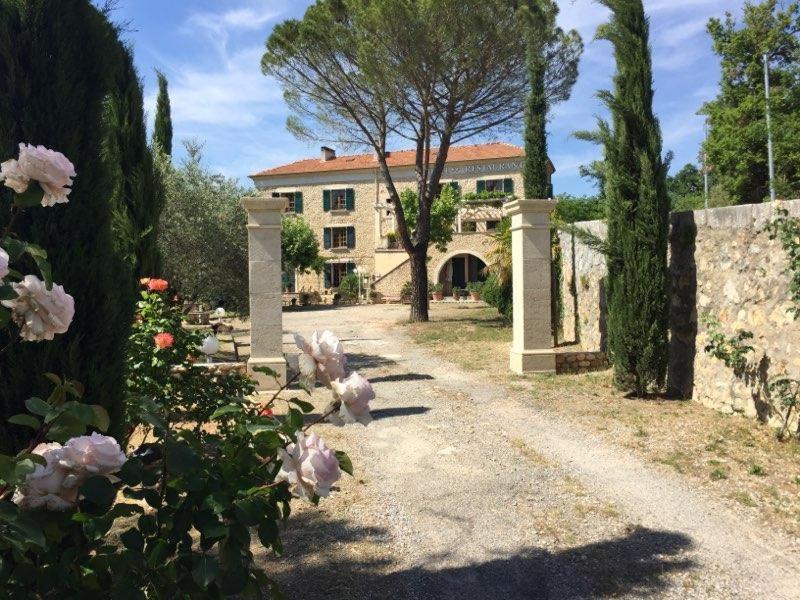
{"points": [[474, 289], [437, 291]]}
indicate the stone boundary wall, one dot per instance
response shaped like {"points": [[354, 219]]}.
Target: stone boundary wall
{"points": [[722, 265], [580, 362]]}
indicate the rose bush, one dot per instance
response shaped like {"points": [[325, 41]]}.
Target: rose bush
{"points": [[209, 470]]}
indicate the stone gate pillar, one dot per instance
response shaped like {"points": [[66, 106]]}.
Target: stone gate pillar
{"points": [[264, 217], [532, 349]]}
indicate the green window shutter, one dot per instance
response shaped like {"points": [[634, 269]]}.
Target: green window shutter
{"points": [[508, 186], [298, 202], [326, 200], [549, 190], [350, 199], [328, 275], [351, 268], [481, 186], [326, 238], [456, 187], [351, 237]]}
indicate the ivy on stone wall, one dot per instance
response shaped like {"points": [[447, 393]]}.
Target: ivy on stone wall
{"points": [[786, 229]]}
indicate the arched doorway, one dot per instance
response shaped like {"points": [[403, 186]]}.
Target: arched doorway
{"points": [[459, 270]]}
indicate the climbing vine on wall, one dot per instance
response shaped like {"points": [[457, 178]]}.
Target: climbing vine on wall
{"points": [[786, 229], [782, 393]]}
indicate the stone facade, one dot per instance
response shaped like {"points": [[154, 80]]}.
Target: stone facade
{"points": [[580, 362], [724, 266], [372, 218]]}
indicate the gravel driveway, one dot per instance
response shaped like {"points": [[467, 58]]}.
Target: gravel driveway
{"points": [[464, 491]]}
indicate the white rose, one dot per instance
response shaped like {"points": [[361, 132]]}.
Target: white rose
{"points": [[12, 175], [46, 486], [309, 466], [96, 454], [355, 393], [3, 263], [51, 169], [327, 352], [40, 313]]}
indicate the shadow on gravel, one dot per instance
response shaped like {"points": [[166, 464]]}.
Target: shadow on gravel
{"points": [[402, 377], [334, 560], [406, 411]]}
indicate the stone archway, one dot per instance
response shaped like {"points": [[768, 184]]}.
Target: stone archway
{"points": [[458, 269]]}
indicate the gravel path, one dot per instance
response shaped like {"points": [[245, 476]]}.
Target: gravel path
{"points": [[464, 491]]}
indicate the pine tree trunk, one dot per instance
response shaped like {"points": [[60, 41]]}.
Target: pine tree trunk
{"points": [[419, 287]]}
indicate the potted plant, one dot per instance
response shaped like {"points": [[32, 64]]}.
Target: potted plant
{"points": [[392, 240], [474, 289], [456, 293], [437, 291]]}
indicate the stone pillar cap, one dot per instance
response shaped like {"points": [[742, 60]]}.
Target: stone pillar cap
{"points": [[251, 203], [530, 206]]}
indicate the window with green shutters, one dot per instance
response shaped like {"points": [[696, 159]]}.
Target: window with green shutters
{"points": [[505, 186], [294, 201], [339, 199], [455, 185], [336, 271], [338, 238]]}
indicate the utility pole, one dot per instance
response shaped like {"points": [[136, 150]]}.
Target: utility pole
{"points": [[770, 157], [705, 170]]}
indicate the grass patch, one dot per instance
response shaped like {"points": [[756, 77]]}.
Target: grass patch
{"points": [[718, 474], [757, 470], [744, 499]]}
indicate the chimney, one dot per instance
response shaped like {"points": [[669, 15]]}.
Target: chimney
{"points": [[327, 153]]}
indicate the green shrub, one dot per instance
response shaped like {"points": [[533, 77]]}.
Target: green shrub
{"points": [[348, 287], [499, 296]]}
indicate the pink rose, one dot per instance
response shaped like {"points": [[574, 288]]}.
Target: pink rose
{"points": [[41, 313], [327, 354], [309, 466], [50, 486], [14, 178], [50, 168], [3, 263], [354, 393], [96, 454]]}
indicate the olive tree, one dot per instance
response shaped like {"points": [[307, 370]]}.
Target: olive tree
{"points": [[366, 73]]}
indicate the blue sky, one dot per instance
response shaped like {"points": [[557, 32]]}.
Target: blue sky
{"points": [[210, 51]]}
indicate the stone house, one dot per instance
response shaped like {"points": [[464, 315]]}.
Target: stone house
{"points": [[346, 203]]}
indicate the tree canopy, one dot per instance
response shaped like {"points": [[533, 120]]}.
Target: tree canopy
{"points": [[299, 246], [443, 213], [203, 232], [373, 72], [737, 141]]}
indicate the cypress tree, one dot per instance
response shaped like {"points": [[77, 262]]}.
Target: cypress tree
{"points": [[638, 207], [63, 54], [544, 39], [137, 199], [162, 133]]}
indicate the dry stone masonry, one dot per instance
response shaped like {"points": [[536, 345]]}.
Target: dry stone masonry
{"points": [[723, 266]]}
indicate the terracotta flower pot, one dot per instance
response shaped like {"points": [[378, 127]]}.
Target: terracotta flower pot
{"points": [[438, 296], [475, 296]]}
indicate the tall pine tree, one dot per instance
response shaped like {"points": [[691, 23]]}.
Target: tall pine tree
{"points": [[56, 57], [137, 198], [638, 207], [543, 39], [162, 133]]}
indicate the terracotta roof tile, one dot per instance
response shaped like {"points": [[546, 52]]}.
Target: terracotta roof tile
{"points": [[403, 158]]}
